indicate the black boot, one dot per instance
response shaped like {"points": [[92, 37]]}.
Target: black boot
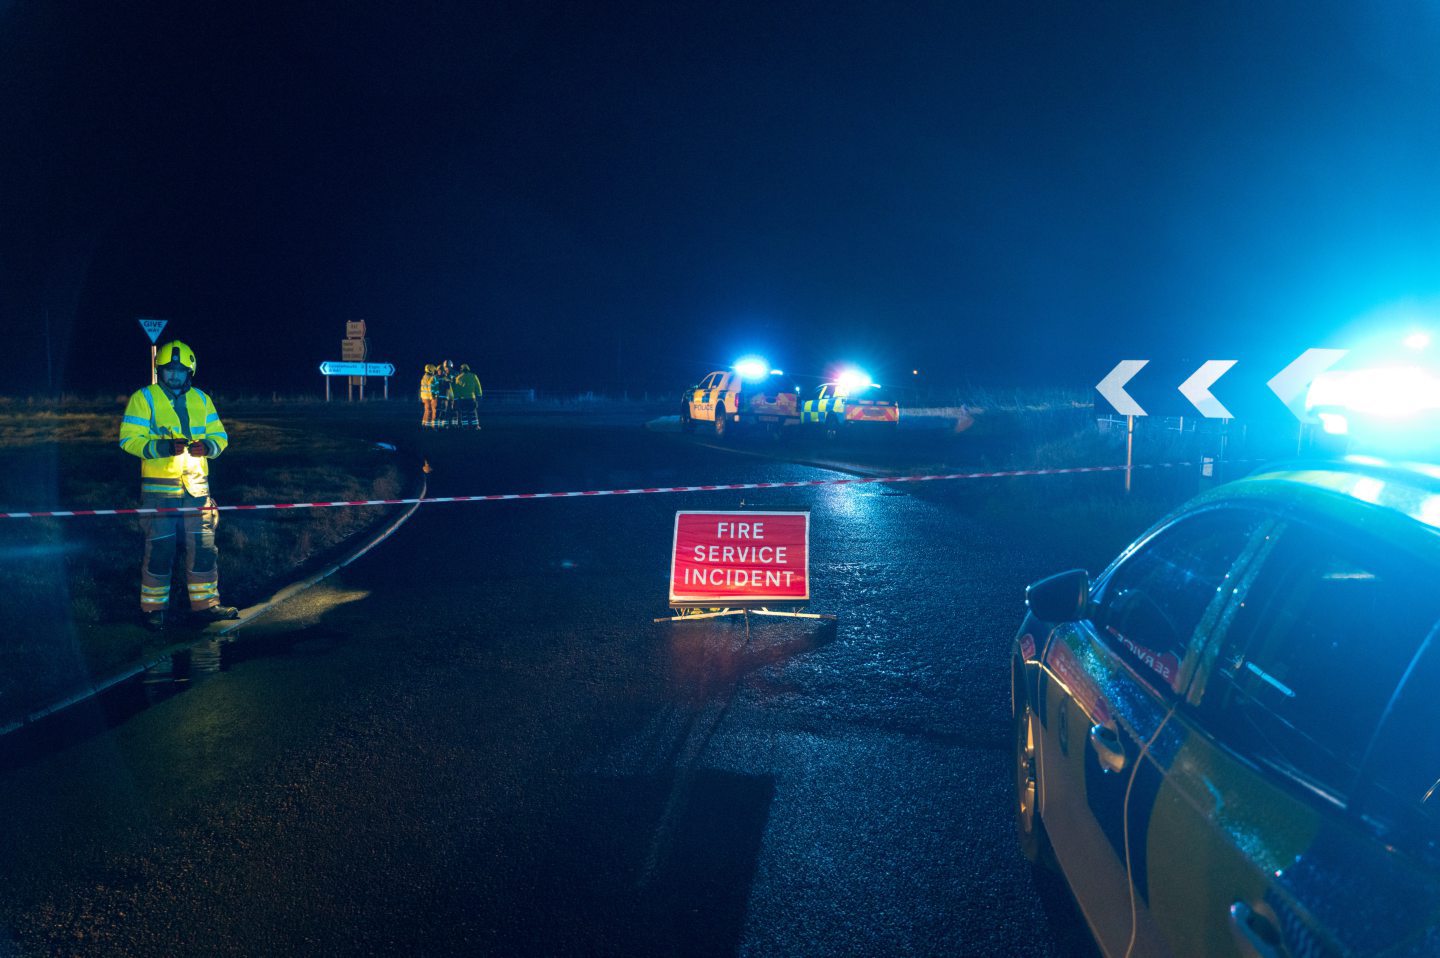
{"points": [[153, 620], [217, 613]]}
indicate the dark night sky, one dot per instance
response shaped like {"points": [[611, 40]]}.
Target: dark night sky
{"points": [[582, 195]]}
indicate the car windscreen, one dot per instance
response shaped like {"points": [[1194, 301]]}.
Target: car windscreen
{"points": [[771, 386], [873, 394]]}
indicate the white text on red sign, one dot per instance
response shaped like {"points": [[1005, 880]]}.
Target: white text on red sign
{"points": [[726, 558]]}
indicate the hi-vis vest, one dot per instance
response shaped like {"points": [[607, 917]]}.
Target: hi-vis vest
{"points": [[150, 416], [425, 381], [467, 386]]}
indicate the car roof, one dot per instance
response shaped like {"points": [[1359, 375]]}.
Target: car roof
{"points": [[1393, 495]]}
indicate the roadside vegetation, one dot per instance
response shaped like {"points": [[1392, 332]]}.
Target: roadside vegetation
{"points": [[1098, 517], [69, 606]]}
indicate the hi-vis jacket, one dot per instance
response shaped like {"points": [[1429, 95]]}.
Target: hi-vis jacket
{"points": [[425, 382], [467, 386], [152, 416]]}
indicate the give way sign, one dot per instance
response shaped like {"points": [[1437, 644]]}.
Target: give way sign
{"points": [[727, 559]]}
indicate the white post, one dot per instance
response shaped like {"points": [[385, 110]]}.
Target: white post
{"points": [[1129, 448]]}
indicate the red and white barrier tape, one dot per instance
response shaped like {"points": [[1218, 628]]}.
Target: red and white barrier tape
{"points": [[69, 513]]}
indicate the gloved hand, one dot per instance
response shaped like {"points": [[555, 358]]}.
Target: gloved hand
{"points": [[198, 448], [177, 446]]}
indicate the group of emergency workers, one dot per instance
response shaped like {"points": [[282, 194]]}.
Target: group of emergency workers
{"points": [[449, 398]]}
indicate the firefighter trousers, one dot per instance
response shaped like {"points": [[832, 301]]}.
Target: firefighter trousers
{"points": [[469, 412], [162, 534]]}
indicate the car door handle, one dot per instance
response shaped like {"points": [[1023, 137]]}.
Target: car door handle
{"points": [[1108, 749], [1256, 932]]}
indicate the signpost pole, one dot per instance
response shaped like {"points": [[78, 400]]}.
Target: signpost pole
{"points": [[327, 388], [1129, 449], [152, 328]]}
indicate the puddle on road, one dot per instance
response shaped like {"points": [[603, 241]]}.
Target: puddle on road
{"points": [[124, 700]]}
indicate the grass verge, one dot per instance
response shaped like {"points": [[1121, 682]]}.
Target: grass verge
{"points": [[69, 601]]}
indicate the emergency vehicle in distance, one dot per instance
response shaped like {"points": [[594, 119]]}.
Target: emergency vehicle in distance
{"points": [[748, 395], [852, 400]]}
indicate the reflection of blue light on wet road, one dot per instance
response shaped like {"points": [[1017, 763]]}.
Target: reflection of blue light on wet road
{"points": [[849, 502]]}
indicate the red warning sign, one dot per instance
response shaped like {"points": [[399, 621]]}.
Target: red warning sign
{"points": [[740, 558]]}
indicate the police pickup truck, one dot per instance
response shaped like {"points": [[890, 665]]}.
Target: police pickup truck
{"points": [[749, 395]]}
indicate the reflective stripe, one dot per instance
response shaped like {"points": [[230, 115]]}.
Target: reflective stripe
{"points": [[219, 435], [136, 421], [212, 417]]}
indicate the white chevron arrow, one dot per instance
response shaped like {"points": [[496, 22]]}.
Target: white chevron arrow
{"points": [[1291, 382], [1112, 387], [1197, 388]]}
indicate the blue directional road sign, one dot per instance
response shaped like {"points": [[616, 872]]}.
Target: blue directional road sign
{"points": [[357, 369]]}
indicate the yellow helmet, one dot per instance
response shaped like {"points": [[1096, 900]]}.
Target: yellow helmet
{"points": [[175, 352], [430, 368]]}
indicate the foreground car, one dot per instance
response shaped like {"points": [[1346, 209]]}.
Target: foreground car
{"points": [[1228, 742]]}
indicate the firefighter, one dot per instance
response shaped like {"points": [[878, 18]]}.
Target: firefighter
{"points": [[467, 393], [441, 387], [173, 428], [427, 397]]}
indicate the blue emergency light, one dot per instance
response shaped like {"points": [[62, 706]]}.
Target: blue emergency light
{"points": [[752, 368], [852, 380]]}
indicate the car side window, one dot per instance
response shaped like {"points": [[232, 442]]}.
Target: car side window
{"points": [[1401, 791], [1155, 600], [707, 382], [1317, 645]]}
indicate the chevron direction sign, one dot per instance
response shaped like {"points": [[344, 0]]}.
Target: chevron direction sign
{"points": [[1215, 388]]}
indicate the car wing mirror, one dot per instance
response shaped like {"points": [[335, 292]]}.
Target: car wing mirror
{"points": [[1062, 597]]}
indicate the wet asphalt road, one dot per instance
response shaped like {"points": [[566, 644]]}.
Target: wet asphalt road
{"points": [[475, 741]]}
